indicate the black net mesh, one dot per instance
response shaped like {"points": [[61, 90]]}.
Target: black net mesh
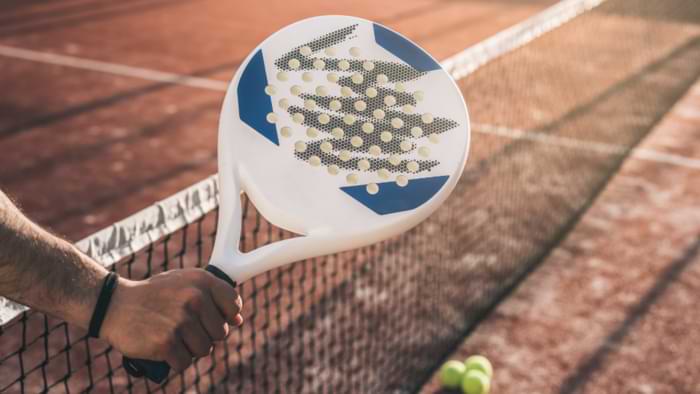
{"points": [[552, 121]]}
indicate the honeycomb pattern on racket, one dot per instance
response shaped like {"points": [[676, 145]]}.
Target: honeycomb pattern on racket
{"points": [[372, 125]]}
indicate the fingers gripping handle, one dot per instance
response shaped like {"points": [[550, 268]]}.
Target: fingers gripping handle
{"points": [[157, 371]]}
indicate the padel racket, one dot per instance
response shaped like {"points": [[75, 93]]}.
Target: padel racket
{"points": [[338, 129]]}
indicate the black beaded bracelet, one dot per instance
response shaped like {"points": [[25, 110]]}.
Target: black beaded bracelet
{"points": [[98, 315]]}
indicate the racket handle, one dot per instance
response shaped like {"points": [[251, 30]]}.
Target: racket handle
{"points": [[157, 371], [220, 274]]}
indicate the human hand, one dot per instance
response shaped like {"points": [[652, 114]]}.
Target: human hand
{"points": [[175, 316]]}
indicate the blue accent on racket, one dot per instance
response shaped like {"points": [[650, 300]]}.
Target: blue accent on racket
{"points": [[253, 103], [393, 198], [404, 49]]}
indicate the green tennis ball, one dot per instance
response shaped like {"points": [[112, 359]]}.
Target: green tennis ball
{"points": [[479, 363], [476, 382], [451, 374]]}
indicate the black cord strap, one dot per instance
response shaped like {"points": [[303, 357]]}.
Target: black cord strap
{"points": [[98, 315], [220, 274]]}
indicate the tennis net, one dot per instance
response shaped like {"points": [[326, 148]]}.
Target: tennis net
{"points": [[557, 103]]}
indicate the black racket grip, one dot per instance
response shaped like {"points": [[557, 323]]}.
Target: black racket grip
{"points": [[158, 371]]}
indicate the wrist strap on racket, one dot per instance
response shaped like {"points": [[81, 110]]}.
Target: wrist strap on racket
{"points": [[220, 274]]}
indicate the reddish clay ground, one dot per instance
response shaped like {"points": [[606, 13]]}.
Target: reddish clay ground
{"points": [[83, 149], [610, 311], [613, 308]]}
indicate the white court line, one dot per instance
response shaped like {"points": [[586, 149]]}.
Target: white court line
{"points": [[458, 65], [591, 146], [112, 68], [470, 59]]}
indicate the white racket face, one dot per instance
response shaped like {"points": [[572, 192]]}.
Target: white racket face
{"points": [[339, 126]]}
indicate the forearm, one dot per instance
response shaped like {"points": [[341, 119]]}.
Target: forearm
{"points": [[43, 271], [173, 316]]}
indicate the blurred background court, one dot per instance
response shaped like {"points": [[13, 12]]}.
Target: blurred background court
{"points": [[566, 255]]}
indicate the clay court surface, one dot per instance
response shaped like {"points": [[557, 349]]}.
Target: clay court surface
{"points": [[82, 149], [611, 309]]}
